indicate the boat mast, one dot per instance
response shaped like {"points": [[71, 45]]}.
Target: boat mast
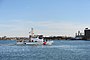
{"points": [[32, 33]]}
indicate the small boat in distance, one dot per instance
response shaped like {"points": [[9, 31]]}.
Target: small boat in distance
{"points": [[34, 40]]}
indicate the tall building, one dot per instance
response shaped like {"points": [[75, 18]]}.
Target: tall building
{"points": [[87, 33]]}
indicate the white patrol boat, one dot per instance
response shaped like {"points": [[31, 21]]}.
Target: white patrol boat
{"points": [[35, 40]]}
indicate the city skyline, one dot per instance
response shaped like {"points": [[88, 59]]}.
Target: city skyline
{"points": [[47, 17]]}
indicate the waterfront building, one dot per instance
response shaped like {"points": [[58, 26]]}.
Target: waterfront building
{"points": [[79, 35], [87, 33]]}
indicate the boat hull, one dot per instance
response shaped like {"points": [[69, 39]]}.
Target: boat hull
{"points": [[35, 43], [20, 43]]}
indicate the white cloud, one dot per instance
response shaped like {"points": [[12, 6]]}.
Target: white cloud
{"points": [[22, 27]]}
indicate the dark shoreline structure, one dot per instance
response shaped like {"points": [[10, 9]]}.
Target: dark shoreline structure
{"points": [[26, 38], [57, 38], [78, 36]]}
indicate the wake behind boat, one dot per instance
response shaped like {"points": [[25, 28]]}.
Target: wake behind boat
{"points": [[34, 40]]}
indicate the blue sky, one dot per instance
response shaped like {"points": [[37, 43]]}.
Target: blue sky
{"points": [[47, 17]]}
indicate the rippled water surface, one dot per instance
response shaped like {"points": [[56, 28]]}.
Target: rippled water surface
{"points": [[60, 50]]}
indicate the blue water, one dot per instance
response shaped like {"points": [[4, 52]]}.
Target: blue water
{"points": [[60, 50]]}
